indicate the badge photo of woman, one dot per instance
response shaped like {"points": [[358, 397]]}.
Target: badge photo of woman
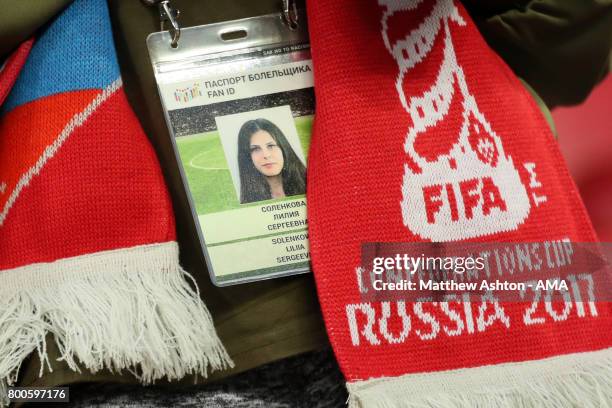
{"points": [[268, 166]]}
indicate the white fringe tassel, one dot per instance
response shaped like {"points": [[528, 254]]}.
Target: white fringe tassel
{"points": [[3, 394], [575, 380], [128, 309]]}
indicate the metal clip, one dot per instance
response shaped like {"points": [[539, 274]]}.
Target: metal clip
{"points": [[167, 13], [290, 14]]}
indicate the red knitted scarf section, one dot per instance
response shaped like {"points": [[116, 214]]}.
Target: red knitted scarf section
{"points": [[423, 134]]}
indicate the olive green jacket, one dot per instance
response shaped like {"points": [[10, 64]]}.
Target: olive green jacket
{"points": [[561, 48]]}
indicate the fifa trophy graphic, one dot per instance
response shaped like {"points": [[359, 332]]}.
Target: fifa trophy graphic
{"points": [[471, 187]]}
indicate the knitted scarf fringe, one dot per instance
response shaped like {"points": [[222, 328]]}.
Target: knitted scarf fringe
{"points": [[129, 309], [3, 394], [577, 380]]}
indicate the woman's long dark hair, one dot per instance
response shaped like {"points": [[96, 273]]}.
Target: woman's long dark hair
{"points": [[253, 184]]}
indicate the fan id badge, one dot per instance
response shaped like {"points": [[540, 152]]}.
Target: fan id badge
{"points": [[239, 102]]}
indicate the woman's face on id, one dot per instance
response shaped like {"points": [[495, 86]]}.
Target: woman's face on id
{"points": [[266, 155]]}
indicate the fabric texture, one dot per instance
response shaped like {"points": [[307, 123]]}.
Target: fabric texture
{"points": [[10, 68], [257, 323], [424, 134], [87, 234], [310, 380], [19, 20], [561, 48]]}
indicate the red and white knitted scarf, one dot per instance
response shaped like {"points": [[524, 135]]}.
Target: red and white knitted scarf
{"points": [[422, 134], [88, 251]]}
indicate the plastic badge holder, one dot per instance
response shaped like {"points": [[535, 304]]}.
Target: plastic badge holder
{"points": [[239, 102]]}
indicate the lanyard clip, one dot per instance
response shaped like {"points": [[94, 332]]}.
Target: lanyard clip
{"points": [[290, 14], [169, 14]]}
